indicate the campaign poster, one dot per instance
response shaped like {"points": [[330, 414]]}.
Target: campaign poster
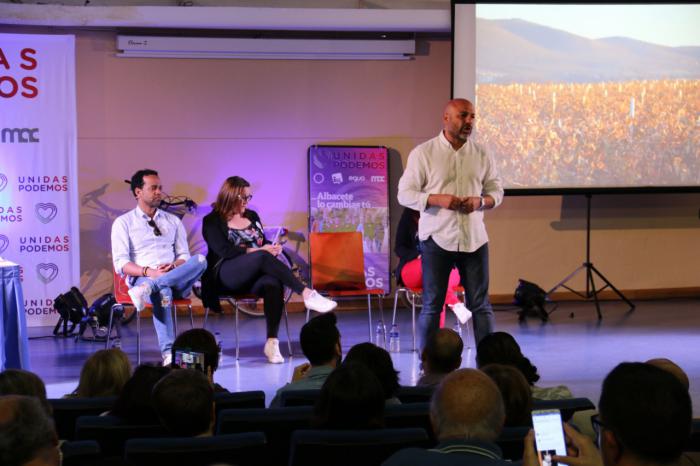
{"points": [[349, 191]]}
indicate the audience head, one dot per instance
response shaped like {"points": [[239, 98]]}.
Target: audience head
{"points": [[467, 404], [184, 403], [230, 200], [351, 398], [378, 360], [19, 382], [27, 433], [137, 179], [442, 352], [201, 341], [134, 403], [673, 368], [515, 391], [501, 348], [104, 374], [320, 340], [645, 413]]}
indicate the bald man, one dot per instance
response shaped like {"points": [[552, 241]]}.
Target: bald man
{"points": [[451, 181], [467, 416], [441, 355]]}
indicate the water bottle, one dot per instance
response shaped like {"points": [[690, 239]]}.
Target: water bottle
{"points": [[394, 341], [458, 328], [380, 335]]}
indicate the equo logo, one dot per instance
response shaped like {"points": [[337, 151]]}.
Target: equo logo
{"points": [[47, 272], [45, 212], [3, 181], [19, 135], [4, 243]]}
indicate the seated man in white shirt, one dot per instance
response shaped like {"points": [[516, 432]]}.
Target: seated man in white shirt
{"points": [[149, 248]]}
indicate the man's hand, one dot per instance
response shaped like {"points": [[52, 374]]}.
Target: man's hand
{"points": [[470, 204], [445, 201], [300, 371], [273, 249], [582, 451], [156, 272]]}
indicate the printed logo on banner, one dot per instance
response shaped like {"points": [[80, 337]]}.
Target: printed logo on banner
{"points": [[3, 181], [337, 178], [319, 178], [45, 211], [44, 244], [44, 183], [19, 135], [4, 243], [378, 179], [11, 214], [47, 272]]}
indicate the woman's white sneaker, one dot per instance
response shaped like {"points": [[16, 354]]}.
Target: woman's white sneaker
{"points": [[319, 303], [272, 351], [463, 314]]}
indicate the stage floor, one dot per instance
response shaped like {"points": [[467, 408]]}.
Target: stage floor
{"points": [[577, 352]]}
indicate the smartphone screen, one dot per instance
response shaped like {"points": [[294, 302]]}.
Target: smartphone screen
{"points": [[186, 359], [549, 436]]}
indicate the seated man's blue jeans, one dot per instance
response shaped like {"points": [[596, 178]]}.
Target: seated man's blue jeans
{"points": [[473, 270], [173, 285]]}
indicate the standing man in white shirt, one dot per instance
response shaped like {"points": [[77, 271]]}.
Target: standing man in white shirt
{"points": [[451, 180], [149, 248]]}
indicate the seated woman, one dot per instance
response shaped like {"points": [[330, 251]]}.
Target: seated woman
{"points": [[409, 272], [104, 374], [241, 261]]}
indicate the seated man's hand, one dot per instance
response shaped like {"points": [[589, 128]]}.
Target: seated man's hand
{"points": [[581, 451], [300, 371], [445, 201]]}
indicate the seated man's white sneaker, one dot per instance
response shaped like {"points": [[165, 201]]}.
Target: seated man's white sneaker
{"points": [[272, 351], [167, 358], [139, 295], [463, 314], [319, 303]]}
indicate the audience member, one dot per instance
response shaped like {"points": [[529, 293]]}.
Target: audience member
{"points": [[501, 348], [673, 368], [104, 374], [351, 398], [515, 391], [645, 419], [378, 360], [320, 343], [467, 415], [134, 404], [202, 341], [441, 355], [184, 403], [27, 433], [20, 382]]}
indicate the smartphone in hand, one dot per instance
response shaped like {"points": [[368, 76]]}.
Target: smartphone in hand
{"points": [[186, 359], [549, 435]]}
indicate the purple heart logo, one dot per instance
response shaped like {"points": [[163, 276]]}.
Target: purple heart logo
{"points": [[3, 181], [47, 272], [4, 243], [45, 212]]}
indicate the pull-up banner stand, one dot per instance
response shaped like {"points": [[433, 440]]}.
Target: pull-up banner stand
{"points": [[38, 167], [349, 191]]}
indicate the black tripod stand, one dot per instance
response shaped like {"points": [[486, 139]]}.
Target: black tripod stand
{"points": [[591, 291]]}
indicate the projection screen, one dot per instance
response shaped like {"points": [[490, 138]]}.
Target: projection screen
{"points": [[585, 97]]}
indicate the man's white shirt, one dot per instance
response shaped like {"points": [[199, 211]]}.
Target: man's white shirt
{"points": [[435, 167]]}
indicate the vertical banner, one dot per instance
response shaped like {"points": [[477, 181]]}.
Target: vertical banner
{"points": [[349, 191], [38, 167]]}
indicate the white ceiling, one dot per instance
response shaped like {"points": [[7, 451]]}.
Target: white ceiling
{"points": [[344, 4]]}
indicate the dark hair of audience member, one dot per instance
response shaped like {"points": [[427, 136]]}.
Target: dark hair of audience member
{"points": [[184, 402], [134, 404], [137, 179], [501, 348], [378, 360], [351, 398], [516, 393], [229, 201], [202, 341], [27, 432], [104, 374], [319, 338], [648, 410], [443, 351], [20, 382]]}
